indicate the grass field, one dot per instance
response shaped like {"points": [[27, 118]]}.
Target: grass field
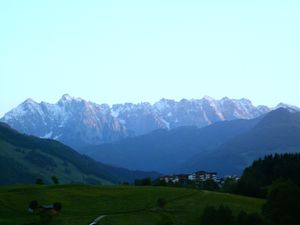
{"points": [[123, 205]]}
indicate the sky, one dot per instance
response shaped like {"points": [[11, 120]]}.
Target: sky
{"points": [[134, 51]]}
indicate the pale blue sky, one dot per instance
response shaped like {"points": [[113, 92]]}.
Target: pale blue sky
{"points": [[133, 51]]}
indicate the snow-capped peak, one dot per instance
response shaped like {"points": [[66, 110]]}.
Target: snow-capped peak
{"points": [[29, 101], [287, 106], [208, 98], [74, 120], [66, 98]]}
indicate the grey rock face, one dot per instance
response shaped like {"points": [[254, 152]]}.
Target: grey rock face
{"points": [[77, 122]]}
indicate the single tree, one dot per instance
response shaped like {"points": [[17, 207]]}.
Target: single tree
{"points": [[55, 180], [39, 181]]}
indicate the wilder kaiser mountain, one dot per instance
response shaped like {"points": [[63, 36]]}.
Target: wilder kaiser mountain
{"points": [[225, 147], [79, 123]]}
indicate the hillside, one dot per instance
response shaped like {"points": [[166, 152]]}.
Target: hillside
{"points": [[24, 158], [122, 205], [165, 151], [277, 132]]}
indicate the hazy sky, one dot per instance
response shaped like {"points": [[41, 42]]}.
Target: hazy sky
{"points": [[133, 51]]}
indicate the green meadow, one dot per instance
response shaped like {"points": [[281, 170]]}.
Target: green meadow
{"points": [[122, 205]]}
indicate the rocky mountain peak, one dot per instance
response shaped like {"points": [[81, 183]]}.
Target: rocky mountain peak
{"points": [[77, 122]]}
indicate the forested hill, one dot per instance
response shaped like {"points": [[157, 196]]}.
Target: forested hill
{"points": [[25, 158]]}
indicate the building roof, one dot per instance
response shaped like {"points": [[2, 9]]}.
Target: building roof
{"points": [[46, 206]]}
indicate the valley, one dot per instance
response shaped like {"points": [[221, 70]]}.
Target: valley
{"points": [[123, 205]]}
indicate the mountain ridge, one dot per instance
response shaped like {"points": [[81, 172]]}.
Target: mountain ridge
{"points": [[277, 132], [226, 147], [165, 151], [77, 122]]}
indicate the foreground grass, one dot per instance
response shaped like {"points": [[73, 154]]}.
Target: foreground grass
{"points": [[123, 205]]}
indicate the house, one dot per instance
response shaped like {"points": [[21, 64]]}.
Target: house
{"points": [[178, 178], [167, 179], [192, 177], [48, 209], [203, 176], [181, 178]]}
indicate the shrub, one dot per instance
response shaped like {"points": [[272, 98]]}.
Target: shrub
{"points": [[142, 182]]}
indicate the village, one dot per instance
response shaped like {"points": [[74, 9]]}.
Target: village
{"points": [[196, 178], [185, 178]]}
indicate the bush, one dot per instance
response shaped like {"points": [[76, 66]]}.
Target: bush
{"points": [[209, 185], [223, 216], [158, 182], [142, 182]]}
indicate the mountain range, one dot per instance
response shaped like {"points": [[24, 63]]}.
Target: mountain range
{"points": [[168, 136], [276, 132], [225, 147], [166, 150], [79, 123], [25, 158]]}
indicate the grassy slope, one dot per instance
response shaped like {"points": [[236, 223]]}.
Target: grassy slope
{"points": [[65, 171], [123, 205], [24, 158]]}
